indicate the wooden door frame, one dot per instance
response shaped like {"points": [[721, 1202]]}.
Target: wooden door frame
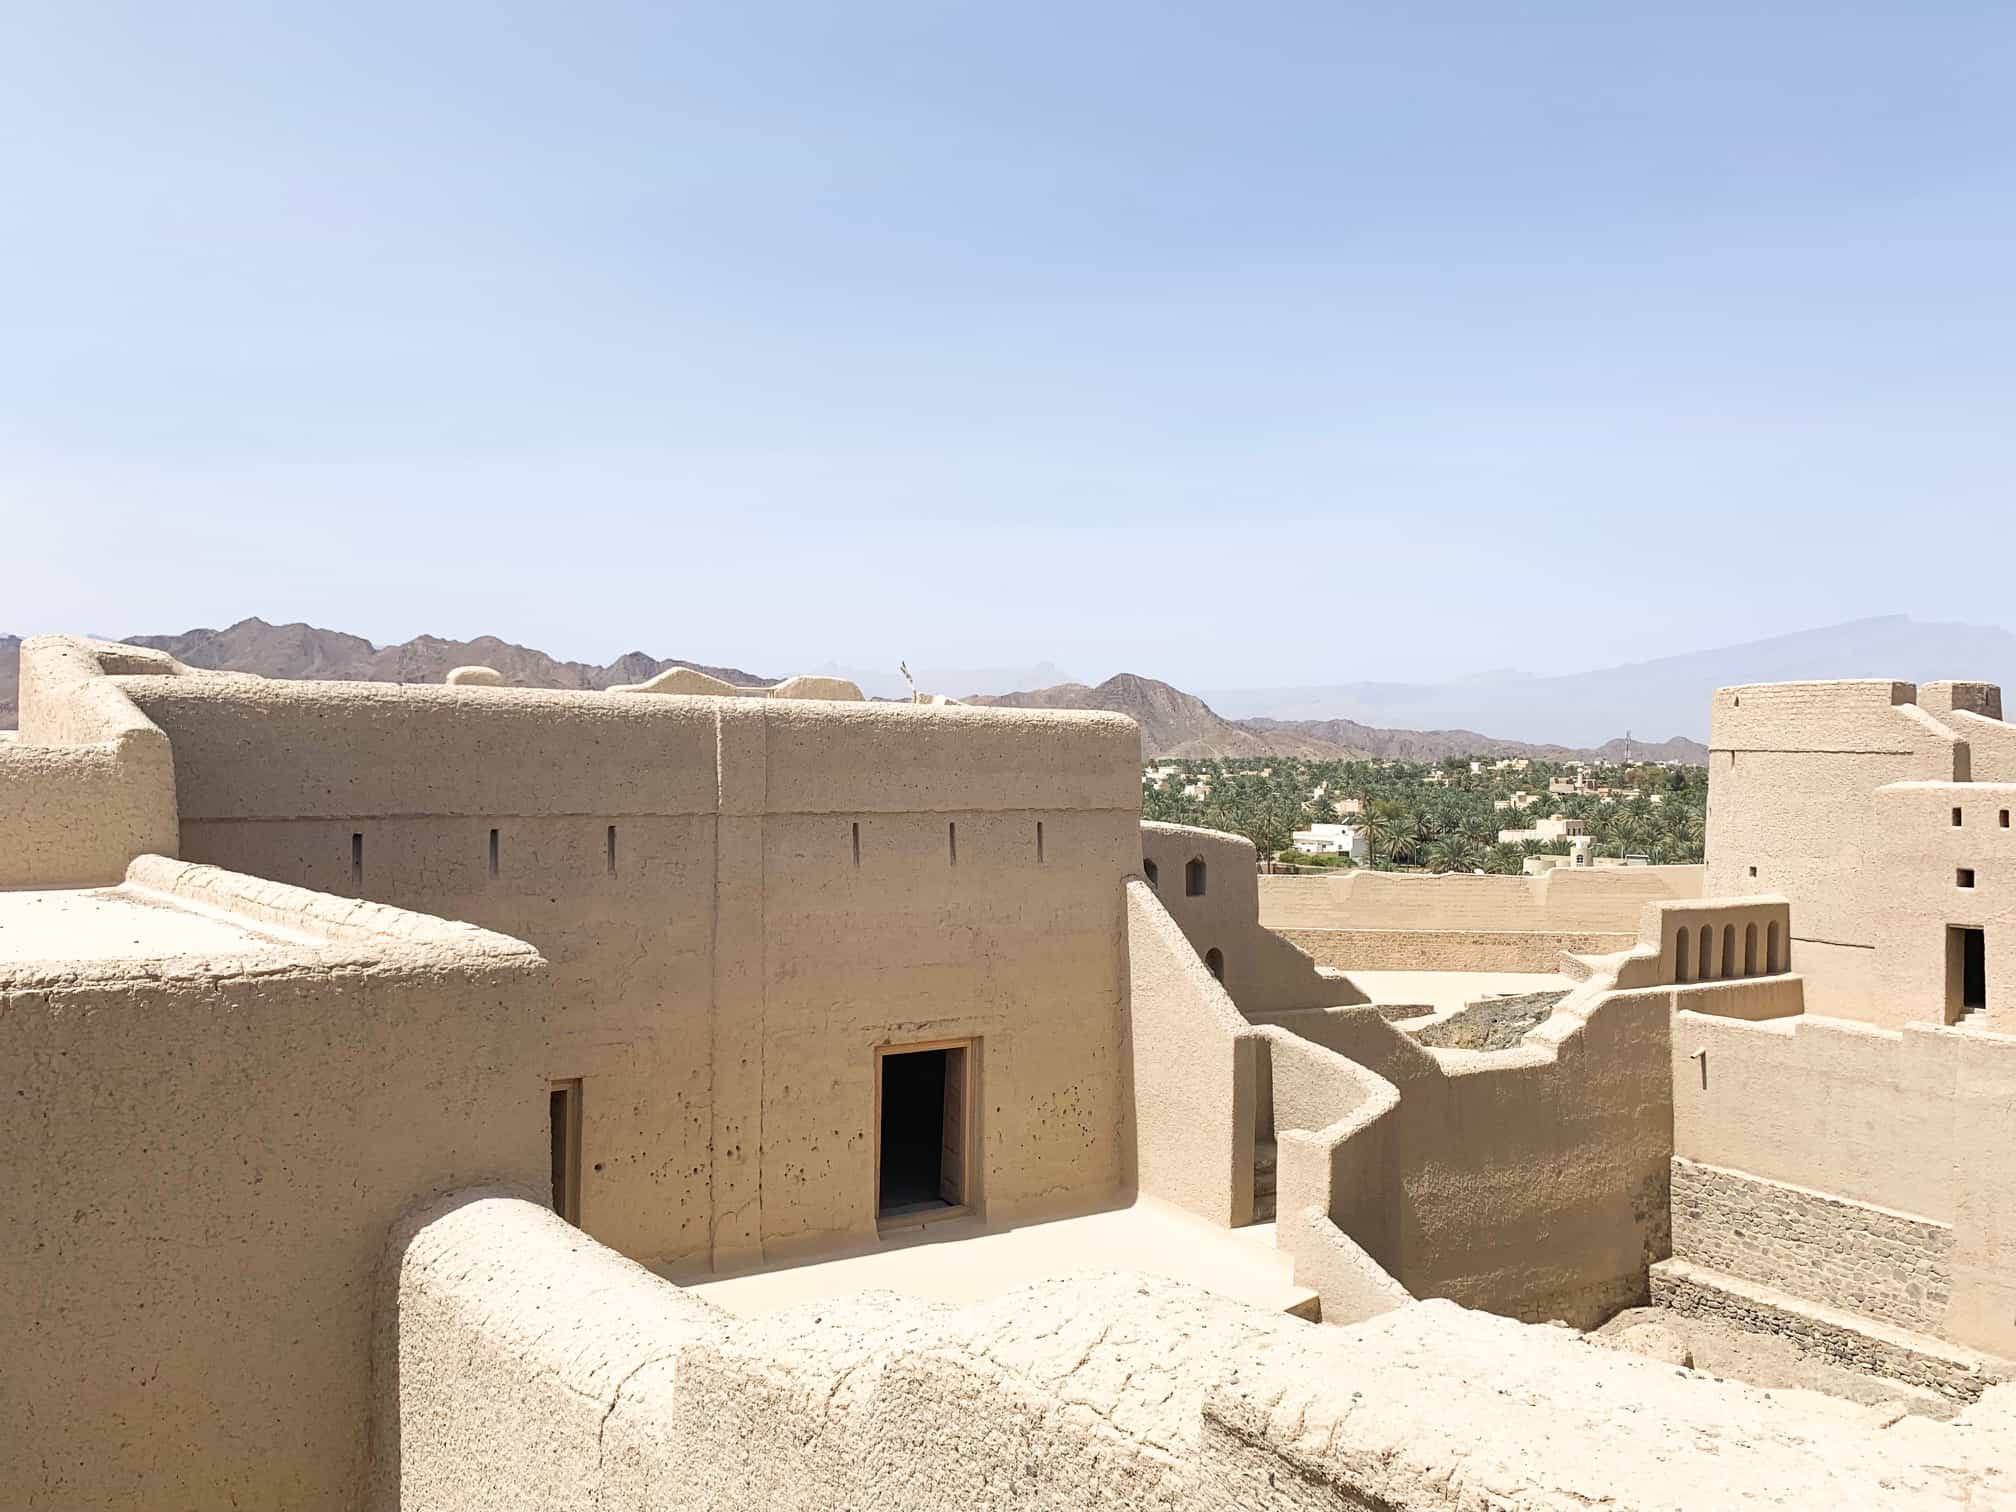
{"points": [[969, 1102]]}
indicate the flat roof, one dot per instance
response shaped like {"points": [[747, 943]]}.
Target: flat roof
{"points": [[81, 925], [963, 1260]]}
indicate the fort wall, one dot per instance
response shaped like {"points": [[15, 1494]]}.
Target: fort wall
{"points": [[1855, 1256], [1394, 921], [739, 900], [88, 782], [1207, 882], [1792, 773], [527, 1368], [1895, 1122], [205, 1148]]}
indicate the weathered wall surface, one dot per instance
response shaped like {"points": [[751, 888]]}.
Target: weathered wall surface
{"points": [[1192, 1072], [1261, 970], [590, 1384], [1792, 773], [1851, 1255], [1532, 1181], [1391, 921], [89, 784], [1447, 949], [1897, 1120], [740, 899], [1921, 855], [204, 1153], [1599, 900]]}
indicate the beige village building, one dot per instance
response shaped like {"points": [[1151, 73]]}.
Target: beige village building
{"points": [[467, 1096]]}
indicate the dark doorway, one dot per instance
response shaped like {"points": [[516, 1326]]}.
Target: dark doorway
{"points": [[922, 1169], [563, 1117], [1967, 970]]}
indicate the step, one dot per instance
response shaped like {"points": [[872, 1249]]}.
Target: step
{"points": [[1843, 1338]]}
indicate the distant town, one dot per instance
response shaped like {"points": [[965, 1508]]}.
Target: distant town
{"points": [[1507, 816]]}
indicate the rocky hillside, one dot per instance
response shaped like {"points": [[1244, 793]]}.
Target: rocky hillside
{"points": [[306, 651], [1173, 723], [1179, 724]]}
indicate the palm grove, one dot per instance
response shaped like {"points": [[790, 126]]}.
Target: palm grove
{"points": [[1435, 816]]}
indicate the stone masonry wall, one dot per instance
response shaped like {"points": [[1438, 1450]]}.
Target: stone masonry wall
{"points": [[1848, 1255], [1447, 949]]}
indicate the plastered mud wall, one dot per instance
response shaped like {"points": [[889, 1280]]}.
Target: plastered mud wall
{"points": [[1903, 1120], [1793, 780], [204, 1153], [1446, 949], [524, 1368], [1218, 910], [1946, 854], [1601, 900], [1193, 1080], [89, 782], [1533, 1181], [739, 900], [1389, 921]]}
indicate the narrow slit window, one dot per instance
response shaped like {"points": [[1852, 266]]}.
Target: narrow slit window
{"points": [[612, 850], [952, 842], [493, 853], [1956, 818], [1039, 842], [1193, 878], [357, 860], [857, 844], [2005, 818]]}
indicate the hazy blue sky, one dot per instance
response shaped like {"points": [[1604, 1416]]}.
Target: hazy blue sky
{"points": [[1339, 340]]}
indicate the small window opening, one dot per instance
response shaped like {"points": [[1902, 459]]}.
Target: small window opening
{"points": [[1753, 871], [857, 844], [952, 843], [1039, 842], [563, 1117], [493, 853], [2004, 817], [1152, 873], [922, 1165], [357, 861], [1966, 971], [612, 850], [1193, 878], [1964, 877], [1956, 818], [1214, 962]]}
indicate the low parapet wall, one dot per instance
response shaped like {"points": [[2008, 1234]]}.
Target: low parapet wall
{"points": [[1447, 949], [90, 782], [1567, 900], [206, 1142], [522, 1365]]}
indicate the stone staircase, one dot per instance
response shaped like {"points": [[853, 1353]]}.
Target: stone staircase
{"points": [[1265, 1158]]}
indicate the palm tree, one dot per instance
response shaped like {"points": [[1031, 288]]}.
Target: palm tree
{"points": [[1454, 854]]}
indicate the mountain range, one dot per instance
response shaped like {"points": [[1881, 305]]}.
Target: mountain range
{"points": [[306, 651], [1652, 697], [1178, 724], [1553, 717]]}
